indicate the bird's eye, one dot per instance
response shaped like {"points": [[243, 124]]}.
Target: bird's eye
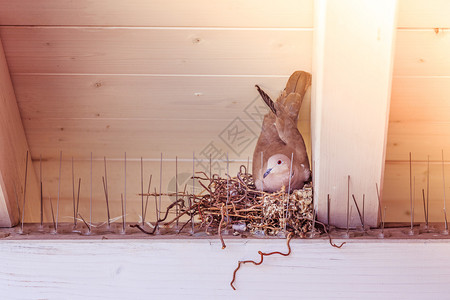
{"points": [[279, 162]]}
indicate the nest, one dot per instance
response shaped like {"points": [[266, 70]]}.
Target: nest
{"points": [[234, 203]]}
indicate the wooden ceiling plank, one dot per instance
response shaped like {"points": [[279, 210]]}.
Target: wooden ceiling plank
{"points": [[248, 13], [424, 14], [142, 97], [156, 51], [422, 53]]}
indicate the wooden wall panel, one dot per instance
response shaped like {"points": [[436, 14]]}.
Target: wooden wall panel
{"points": [[396, 190], [156, 51], [420, 138], [420, 112], [116, 177], [150, 77], [137, 137], [116, 180], [423, 14], [422, 53], [234, 13], [420, 99], [142, 97], [13, 148]]}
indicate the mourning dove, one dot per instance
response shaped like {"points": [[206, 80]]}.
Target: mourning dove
{"points": [[280, 140]]}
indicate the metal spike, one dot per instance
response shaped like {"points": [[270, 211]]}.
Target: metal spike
{"points": [[40, 185], [425, 208], [105, 188], [210, 167], [328, 211], [146, 200], [379, 203], [228, 187], [90, 201], [443, 185], [157, 213], [73, 197], [446, 224], [107, 202], [142, 192], [176, 186], [84, 221], [414, 200], [348, 203], [359, 212], [262, 172], [193, 192], [313, 225], [363, 213], [78, 200], [289, 193], [17, 201], [160, 186], [410, 194], [53, 215], [123, 213], [248, 164], [59, 192], [125, 194], [428, 187], [24, 192]]}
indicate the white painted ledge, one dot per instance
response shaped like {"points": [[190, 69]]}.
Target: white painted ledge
{"points": [[200, 269]]}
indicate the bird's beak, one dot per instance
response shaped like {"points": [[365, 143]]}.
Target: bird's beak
{"points": [[267, 172]]}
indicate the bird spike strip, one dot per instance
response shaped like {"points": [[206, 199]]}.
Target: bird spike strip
{"points": [[248, 209]]}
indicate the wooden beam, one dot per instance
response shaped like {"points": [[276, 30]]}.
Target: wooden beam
{"points": [[171, 269], [13, 148], [353, 68]]}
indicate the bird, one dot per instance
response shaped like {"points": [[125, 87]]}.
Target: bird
{"points": [[280, 159]]}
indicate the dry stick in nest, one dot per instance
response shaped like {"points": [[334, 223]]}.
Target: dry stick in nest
{"points": [[262, 254]]}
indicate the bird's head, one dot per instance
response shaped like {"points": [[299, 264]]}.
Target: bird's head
{"points": [[278, 165]]}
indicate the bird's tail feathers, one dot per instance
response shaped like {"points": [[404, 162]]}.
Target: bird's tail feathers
{"points": [[293, 94], [298, 83]]}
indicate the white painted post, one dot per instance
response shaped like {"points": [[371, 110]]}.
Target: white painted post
{"points": [[352, 70]]}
